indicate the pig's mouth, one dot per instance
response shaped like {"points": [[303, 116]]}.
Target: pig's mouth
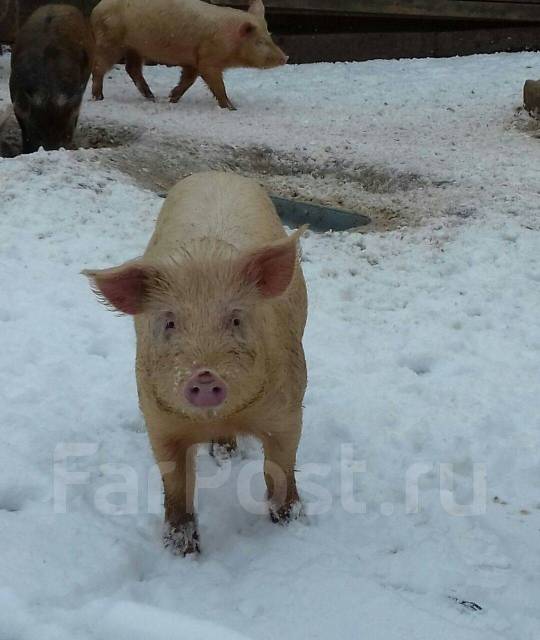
{"points": [[207, 414]]}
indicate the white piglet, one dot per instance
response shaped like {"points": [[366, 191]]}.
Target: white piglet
{"points": [[220, 306]]}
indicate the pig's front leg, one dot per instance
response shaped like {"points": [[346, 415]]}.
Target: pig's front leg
{"points": [[177, 464], [279, 462], [214, 80]]}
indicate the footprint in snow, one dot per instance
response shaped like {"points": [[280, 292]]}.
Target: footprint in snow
{"points": [[421, 364], [15, 497]]}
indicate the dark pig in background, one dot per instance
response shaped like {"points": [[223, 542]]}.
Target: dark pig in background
{"points": [[50, 67]]}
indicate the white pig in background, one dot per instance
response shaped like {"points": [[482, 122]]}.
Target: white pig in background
{"points": [[220, 306], [201, 38]]}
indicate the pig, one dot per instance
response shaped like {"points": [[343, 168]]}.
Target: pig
{"points": [[50, 67], [219, 304], [201, 38]]}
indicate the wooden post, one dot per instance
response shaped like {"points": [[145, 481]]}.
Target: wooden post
{"points": [[531, 97], [507, 10]]}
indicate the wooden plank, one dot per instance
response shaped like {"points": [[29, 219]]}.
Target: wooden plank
{"points": [[345, 47], [515, 10]]}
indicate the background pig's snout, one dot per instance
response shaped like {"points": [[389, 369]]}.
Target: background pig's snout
{"points": [[205, 389]]}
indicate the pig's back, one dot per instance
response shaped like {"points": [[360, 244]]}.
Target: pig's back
{"points": [[54, 24], [169, 31], [221, 206], [50, 47]]}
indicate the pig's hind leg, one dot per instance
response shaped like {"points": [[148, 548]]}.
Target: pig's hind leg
{"points": [[214, 80], [134, 66], [188, 77]]}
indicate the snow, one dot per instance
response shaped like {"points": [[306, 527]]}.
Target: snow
{"points": [[423, 349]]}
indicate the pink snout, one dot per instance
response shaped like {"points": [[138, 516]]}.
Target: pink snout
{"points": [[205, 389]]}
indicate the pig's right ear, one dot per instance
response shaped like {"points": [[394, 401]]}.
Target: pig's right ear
{"points": [[124, 288]]}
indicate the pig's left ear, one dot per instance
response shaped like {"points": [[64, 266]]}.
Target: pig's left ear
{"points": [[256, 7], [271, 268], [126, 288], [246, 29]]}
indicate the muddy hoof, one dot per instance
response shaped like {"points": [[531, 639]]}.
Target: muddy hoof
{"points": [[97, 98], [285, 514], [181, 540], [222, 450], [227, 105]]}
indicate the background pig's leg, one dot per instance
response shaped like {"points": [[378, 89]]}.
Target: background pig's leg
{"points": [[279, 460], [188, 77], [134, 65], [104, 60], [177, 464], [214, 80]]}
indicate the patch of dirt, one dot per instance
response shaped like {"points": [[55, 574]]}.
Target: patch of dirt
{"points": [[391, 199], [86, 137], [524, 122], [94, 137]]}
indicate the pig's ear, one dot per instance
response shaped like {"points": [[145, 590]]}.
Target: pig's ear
{"points": [[272, 268], [256, 7], [246, 29], [124, 288]]}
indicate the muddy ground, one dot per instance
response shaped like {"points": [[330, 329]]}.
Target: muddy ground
{"points": [[391, 199]]}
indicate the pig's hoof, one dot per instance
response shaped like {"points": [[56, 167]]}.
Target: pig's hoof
{"points": [[97, 97], [181, 540], [231, 107], [222, 450], [287, 513]]}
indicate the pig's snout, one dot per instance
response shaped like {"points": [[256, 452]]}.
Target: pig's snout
{"points": [[205, 389]]}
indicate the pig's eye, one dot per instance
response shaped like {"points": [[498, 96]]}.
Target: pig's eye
{"points": [[169, 322], [235, 320]]}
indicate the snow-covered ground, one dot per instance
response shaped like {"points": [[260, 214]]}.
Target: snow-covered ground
{"points": [[423, 348]]}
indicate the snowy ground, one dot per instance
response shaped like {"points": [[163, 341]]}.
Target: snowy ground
{"points": [[423, 349]]}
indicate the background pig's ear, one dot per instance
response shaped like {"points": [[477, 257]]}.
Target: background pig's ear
{"points": [[271, 268], [256, 7], [246, 29], [124, 288]]}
